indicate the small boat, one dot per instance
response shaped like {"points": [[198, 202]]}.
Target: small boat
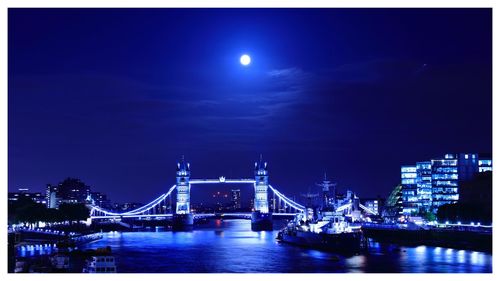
{"points": [[101, 262]]}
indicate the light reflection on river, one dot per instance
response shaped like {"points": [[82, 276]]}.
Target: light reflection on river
{"points": [[230, 246]]}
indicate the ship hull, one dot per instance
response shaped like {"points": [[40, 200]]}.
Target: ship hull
{"points": [[347, 243]]}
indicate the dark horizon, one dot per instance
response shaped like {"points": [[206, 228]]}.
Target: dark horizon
{"points": [[115, 97]]}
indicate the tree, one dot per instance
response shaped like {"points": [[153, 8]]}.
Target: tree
{"points": [[429, 216], [32, 213], [53, 215], [74, 212], [463, 212]]}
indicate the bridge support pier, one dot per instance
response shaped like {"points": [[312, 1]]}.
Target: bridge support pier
{"points": [[182, 222], [262, 221]]}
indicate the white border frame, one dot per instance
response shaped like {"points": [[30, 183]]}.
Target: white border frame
{"points": [[5, 4]]}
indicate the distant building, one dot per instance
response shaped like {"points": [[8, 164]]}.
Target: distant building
{"points": [[37, 197], [222, 201], [236, 199], [372, 205], [68, 191], [126, 206], [431, 184], [100, 199]]}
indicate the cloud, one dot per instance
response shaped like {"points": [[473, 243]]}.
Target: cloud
{"points": [[374, 71], [286, 72], [293, 78]]}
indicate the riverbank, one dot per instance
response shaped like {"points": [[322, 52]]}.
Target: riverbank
{"points": [[31, 249], [455, 238]]}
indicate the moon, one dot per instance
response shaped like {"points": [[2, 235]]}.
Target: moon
{"points": [[245, 60]]}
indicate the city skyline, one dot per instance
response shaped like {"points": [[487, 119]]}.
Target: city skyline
{"points": [[114, 97]]}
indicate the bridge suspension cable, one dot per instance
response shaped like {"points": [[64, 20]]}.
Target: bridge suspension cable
{"points": [[287, 200], [153, 208], [141, 210]]}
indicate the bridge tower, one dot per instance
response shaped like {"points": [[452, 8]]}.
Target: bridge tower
{"points": [[183, 218], [261, 218]]}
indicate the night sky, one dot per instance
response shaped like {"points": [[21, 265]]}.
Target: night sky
{"points": [[116, 96]]}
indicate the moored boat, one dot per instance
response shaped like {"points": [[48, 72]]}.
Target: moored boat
{"points": [[331, 232], [101, 262]]}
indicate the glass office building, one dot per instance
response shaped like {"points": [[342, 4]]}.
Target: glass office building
{"points": [[409, 190], [430, 184], [444, 181], [424, 185], [484, 165]]}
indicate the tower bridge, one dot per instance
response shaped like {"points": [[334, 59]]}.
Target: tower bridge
{"points": [[183, 217]]}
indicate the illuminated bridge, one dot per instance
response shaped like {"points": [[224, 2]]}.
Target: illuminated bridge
{"points": [[183, 217]]}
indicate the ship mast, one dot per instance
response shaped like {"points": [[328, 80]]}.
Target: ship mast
{"points": [[309, 197], [325, 185]]}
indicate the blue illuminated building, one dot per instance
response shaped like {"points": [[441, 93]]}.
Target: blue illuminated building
{"points": [[430, 184], [409, 190], [444, 181], [424, 185], [484, 165]]}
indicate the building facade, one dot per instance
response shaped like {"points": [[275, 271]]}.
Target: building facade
{"points": [[431, 184], [372, 205], [393, 207], [236, 199], [409, 191], [68, 191], [424, 186], [37, 197], [100, 199]]}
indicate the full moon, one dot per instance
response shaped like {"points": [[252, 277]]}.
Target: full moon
{"points": [[245, 60]]}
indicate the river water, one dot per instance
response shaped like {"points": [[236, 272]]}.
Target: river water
{"points": [[230, 246]]}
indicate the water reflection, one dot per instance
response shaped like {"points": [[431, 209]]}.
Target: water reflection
{"points": [[35, 250], [230, 246]]}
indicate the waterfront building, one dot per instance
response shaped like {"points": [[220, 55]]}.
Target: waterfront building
{"points": [[431, 184], [37, 197], [68, 191], [424, 186], [409, 189], [444, 181], [485, 163], [393, 207]]}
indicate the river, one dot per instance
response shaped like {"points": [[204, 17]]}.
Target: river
{"points": [[230, 246]]}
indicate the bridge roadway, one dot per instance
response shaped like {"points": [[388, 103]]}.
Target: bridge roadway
{"points": [[240, 215]]}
